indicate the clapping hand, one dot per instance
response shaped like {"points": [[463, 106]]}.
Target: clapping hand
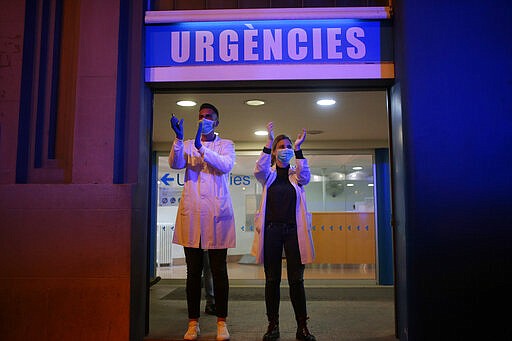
{"points": [[270, 135], [300, 139], [177, 126]]}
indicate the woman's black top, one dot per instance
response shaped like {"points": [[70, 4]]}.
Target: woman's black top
{"points": [[281, 199], [281, 196]]}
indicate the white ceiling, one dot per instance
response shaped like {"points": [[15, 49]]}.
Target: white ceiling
{"points": [[358, 120]]}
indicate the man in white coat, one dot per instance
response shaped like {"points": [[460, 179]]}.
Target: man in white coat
{"points": [[205, 219]]}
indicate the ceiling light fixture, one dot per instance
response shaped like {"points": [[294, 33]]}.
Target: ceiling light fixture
{"points": [[326, 102], [314, 132], [261, 132], [357, 168], [186, 103], [254, 102]]}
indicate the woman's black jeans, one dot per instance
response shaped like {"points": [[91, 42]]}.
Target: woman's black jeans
{"points": [[277, 236], [194, 259]]}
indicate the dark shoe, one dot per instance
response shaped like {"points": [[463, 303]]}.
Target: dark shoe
{"points": [[303, 331], [154, 281], [272, 333], [210, 309]]}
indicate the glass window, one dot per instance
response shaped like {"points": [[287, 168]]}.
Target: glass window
{"points": [[340, 197]]}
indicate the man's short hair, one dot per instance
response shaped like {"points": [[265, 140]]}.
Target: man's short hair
{"points": [[209, 106]]}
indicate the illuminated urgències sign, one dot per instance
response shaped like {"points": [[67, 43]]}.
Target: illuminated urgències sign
{"points": [[267, 42], [269, 50]]}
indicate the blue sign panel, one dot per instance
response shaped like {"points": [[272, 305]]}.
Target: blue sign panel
{"points": [[267, 42]]}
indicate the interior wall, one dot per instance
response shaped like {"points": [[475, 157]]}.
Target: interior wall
{"points": [[451, 142]]}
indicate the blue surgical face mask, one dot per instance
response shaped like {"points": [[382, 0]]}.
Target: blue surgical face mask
{"points": [[285, 155], [208, 126]]}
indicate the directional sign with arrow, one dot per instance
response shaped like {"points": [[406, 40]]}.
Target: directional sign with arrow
{"points": [[166, 179]]}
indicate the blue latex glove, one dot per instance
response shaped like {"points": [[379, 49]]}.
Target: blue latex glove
{"points": [[197, 141], [177, 126]]}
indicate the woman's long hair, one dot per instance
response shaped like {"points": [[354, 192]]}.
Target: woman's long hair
{"points": [[274, 144]]}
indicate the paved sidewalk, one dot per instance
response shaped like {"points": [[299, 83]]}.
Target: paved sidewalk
{"points": [[364, 318]]}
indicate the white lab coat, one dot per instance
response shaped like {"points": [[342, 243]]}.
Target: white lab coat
{"points": [[299, 177], [205, 211]]}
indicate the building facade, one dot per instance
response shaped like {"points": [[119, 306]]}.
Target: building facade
{"points": [[75, 127]]}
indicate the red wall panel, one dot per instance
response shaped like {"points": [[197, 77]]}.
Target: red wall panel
{"points": [[65, 249]]}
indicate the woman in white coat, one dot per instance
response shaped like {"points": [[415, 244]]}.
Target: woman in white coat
{"points": [[283, 222]]}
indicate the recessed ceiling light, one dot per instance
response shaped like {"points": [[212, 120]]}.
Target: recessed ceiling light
{"points": [[326, 102], [186, 103], [350, 185], [261, 132], [370, 185], [254, 102], [357, 168], [316, 178]]}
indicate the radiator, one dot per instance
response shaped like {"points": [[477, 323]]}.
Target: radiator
{"points": [[164, 234]]}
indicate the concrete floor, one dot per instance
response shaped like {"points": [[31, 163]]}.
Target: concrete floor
{"points": [[361, 320]]}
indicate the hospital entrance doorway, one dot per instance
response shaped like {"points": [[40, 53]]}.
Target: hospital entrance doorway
{"points": [[342, 140]]}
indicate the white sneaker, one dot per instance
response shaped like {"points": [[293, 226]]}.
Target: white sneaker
{"points": [[222, 331], [192, 331]]}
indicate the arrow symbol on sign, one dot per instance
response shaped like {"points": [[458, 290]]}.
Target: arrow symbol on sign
{"points": [[165, 179]]}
